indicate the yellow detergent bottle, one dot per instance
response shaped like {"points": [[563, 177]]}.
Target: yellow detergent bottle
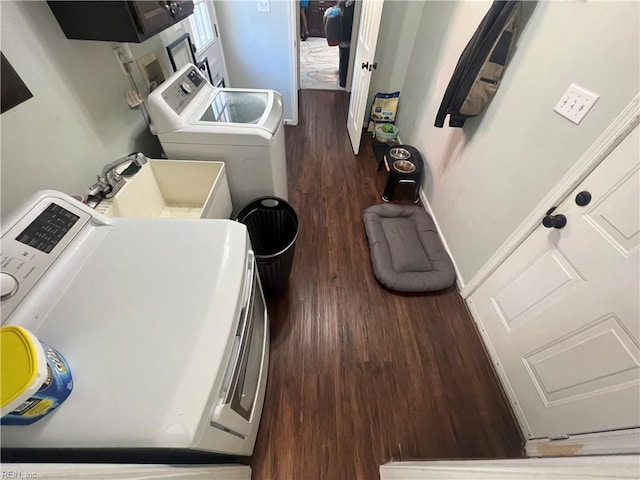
{"points": [[34, 378]]}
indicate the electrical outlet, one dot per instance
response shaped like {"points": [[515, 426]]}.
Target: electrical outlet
{"points": [[575, 103], [264, 6]]}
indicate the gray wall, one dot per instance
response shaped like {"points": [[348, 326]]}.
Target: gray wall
{"points": [[398, 29], [77, 120], [484, 179]]}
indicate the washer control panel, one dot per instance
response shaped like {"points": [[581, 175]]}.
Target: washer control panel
{"points": [[181, 91], [8, 285], [32, 245]]}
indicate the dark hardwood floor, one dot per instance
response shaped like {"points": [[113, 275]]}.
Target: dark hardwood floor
{"points": [[360, 375]]}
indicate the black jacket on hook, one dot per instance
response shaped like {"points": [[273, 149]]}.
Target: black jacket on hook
{"points": [[479, 71]]}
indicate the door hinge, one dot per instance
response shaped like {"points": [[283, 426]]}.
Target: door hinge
{"points": [[215, 29], [558, 437]]}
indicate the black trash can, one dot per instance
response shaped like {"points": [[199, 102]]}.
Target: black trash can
{"points": [[273, 229]]}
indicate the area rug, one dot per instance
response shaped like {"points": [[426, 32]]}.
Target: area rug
{"points": [[319, 65]]}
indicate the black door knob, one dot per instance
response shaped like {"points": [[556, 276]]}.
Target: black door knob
{"points": [[583, 199], [554, 221]]}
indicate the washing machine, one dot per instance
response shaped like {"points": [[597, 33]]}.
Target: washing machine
{"points": [[241, 127], [163, 324]]}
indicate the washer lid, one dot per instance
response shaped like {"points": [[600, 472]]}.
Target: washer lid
{"points": [[236, 111], [230, 106]]}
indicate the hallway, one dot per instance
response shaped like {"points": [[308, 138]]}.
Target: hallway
{"points": [[360, 375]]}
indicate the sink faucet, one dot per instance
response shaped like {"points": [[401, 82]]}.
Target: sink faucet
{"points": [[110, 181]]}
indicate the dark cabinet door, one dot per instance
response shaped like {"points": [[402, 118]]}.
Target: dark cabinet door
{"points": [[180, 10], [118, 21], [151, 16], [315, 17], [155, 16]]}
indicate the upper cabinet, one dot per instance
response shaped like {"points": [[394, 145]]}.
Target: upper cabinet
{"points": [[118, 21]]}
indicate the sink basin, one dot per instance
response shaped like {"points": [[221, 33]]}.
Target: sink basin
{"points": [[173, 189]]}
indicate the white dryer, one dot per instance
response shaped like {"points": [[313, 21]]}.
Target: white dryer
{"points": [[162, 322], [242, 128]]}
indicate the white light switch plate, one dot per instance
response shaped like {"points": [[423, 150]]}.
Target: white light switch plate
{"points": [[575, 103], [264, 6]]}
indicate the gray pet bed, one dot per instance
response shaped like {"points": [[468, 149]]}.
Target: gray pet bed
{"points": [[406, 252]]}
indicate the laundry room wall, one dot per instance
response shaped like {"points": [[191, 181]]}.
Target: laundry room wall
{"points": [[484, 179], [257, 47], [398, 29], [78, 119]]}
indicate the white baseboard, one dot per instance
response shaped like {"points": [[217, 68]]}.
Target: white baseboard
{"points": [[616, 442], [427, 206]]}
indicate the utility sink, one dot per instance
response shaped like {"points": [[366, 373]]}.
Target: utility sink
{"points": [[173, 189]]}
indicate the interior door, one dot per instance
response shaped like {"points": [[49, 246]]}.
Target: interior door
{"points": [[561, 314], [370, 16], [203, 29]]}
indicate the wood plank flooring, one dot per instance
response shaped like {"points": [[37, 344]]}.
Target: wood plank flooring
{"points": [[360, 375]]}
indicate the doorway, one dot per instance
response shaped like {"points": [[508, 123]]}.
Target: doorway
{"points": [[207, 51], [319, 65], [324, 61]]}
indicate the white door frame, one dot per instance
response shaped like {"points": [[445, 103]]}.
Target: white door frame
{"points": [[295, 28], [609, 140], [368, 34], [294, 42], [354, 42], [354, 39]]}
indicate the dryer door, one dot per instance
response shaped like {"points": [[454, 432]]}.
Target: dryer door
{"points": [[236, 411]]}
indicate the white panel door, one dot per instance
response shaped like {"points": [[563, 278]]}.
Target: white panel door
{"points": [[370, 16], [203, 29], [561, 315]]}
